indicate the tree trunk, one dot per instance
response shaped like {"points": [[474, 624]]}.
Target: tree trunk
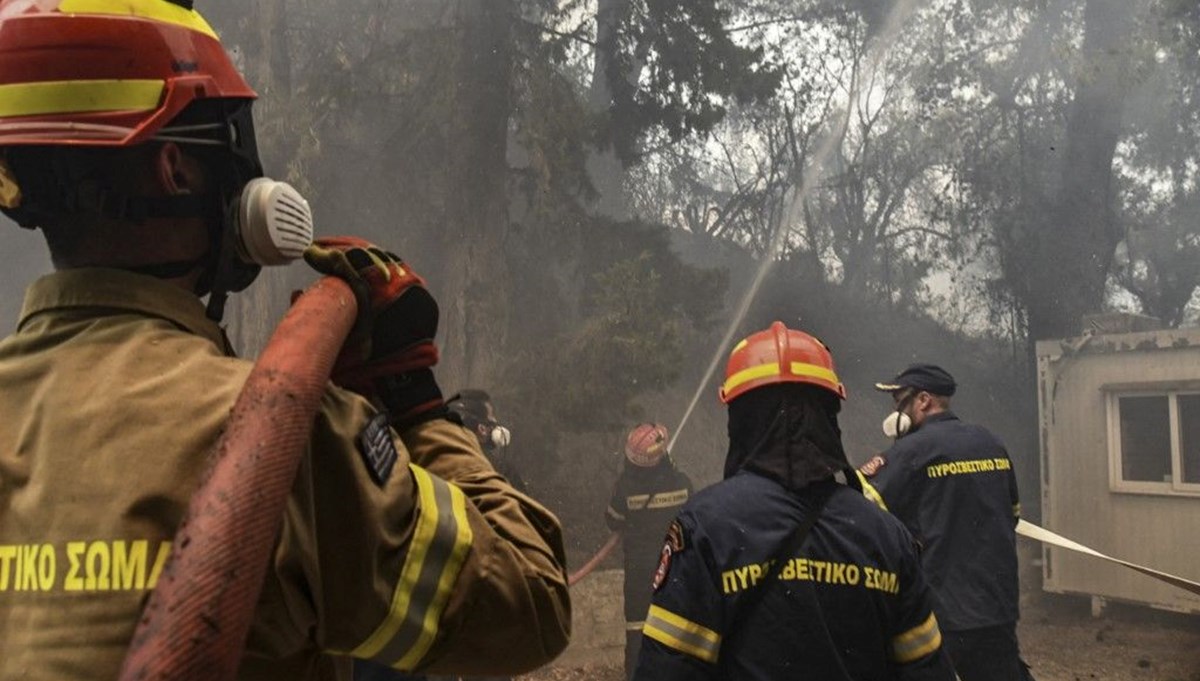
{"points": [[605, 169], [474, 286], [1066, 261]]}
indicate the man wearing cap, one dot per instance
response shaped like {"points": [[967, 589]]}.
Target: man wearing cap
{"points": [[779, 571], [646, 496], [953, 485]]}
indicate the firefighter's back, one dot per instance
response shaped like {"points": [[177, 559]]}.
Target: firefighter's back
{"points": [[848, 604], [108, 416]]}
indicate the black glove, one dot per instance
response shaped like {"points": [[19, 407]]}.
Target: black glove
{"points": [[388, 356]]}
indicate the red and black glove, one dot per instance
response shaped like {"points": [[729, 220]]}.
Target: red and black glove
{"points": [[388, 356]]}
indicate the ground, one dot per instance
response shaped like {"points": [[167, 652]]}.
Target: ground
{"points": [[1060, 639], [1062, 642]]}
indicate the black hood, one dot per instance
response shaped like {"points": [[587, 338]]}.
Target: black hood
{"points": [[787, 432]]}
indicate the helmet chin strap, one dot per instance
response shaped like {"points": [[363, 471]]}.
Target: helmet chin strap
{"points": [[228, 272]]}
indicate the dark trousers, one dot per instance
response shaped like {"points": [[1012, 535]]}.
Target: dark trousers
{"points": [[633, 644], [987, 654]]}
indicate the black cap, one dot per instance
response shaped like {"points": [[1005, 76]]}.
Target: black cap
{"points": [[928, 377]]}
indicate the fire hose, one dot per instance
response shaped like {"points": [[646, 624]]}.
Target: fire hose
{"points": [[1028, 529], [601, 554], [195, 625], [1024, 528]]}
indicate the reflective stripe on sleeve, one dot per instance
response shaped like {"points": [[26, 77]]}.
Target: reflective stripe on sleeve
{"points": [[79, 96], [917, 642], [439, 546], [616, 515], [683, 635], [1016, 510], [870, 492]]}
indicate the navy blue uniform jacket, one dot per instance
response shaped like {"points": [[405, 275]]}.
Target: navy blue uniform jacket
{"points": [[953, 486], [644, 500], [850, 604]]}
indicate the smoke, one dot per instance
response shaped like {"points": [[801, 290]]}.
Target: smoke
{"points": [[25, 258], [899, 13]]}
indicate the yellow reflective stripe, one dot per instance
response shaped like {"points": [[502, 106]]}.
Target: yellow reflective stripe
{"points": [[462, 543], [157, 10], [636, 502], [634, 626], [1016, 510], [751, 374], [667, 499], [436, 553], [615, 514], [917, 642], [772, 369], [870, 492], [813, 371], [79, 96], [680, 634], [743, 343]]}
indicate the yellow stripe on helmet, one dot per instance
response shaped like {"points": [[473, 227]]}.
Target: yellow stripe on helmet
{"points": [[772, 369], [79, 96], [156, 10], [814, 371], [752, 374]]}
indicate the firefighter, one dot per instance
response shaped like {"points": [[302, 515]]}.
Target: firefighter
{"points": [[477, 412], [126, 136], [954, 487], [780, 571], [646, 496]]}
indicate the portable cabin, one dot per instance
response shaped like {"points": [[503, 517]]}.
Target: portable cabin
{"points": [[1119, 410]]}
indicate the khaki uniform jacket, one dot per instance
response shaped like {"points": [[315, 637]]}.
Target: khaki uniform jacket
{"points": [[113, 390]]}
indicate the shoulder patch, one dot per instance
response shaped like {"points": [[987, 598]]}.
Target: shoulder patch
{"points": [[871, 467], [673, 544], [377, 449], [675, 536]]}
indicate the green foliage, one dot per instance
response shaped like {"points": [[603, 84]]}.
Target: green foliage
{"points": [[675, 68], [585, 363]]}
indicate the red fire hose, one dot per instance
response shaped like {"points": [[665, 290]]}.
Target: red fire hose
{"points": [[601, 554], [195, 626]]}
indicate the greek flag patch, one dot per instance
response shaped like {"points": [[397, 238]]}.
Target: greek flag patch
{"points": [[377, 449]]}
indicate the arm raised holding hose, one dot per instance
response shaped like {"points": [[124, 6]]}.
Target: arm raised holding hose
{"points": [[496, 555], [194, 515]]}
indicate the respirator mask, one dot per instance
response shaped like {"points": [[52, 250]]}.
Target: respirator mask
{"points": [[495, 435], [501, 436], [897, 424], [268, 224]]}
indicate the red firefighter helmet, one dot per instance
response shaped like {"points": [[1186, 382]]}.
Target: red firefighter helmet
{"points": [[779, 355], [646, 444], [105, 72]]}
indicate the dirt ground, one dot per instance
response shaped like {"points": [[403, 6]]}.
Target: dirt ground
{"points": [[1062, 642], [1059, 637]]}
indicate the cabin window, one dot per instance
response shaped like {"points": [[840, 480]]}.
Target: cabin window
{"points": [[1155, 442], [1189, 438]]}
